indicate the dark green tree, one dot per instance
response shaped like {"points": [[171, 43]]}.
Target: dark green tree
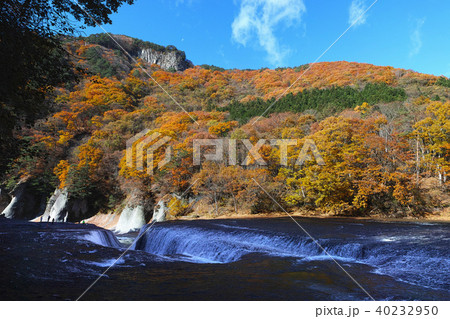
{"points": [[32, 57]]}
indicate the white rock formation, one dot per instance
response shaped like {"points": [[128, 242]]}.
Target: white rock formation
{"points": [[25, 203], [159, 212], [167, 60], [56, 208], [8, 212], [60, 208], [132, 218]]}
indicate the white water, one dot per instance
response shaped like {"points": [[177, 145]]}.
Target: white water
{"points": [[229, 246], [103, 238], [402, 256]]}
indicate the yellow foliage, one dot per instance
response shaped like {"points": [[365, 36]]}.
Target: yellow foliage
{"points": [[355, 171], [178, 207], [434, 133], [61, 170], [64, 137], [363, 108], [221, 129]]}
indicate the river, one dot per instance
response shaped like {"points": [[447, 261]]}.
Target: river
{"points": [[234, 259]]}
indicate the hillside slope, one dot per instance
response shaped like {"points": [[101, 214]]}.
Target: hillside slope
{"points": [[382, 132]]}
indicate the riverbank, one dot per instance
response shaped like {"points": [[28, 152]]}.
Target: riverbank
{"points": [[441, 217], [109, 221]]}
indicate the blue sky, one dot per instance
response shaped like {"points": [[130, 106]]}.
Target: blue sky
{"points": [[410, 34]]}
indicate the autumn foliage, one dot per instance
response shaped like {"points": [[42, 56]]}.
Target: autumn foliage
{"points": [[378, 138]]}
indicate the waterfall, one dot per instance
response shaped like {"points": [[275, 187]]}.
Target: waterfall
{"points": [[102, 237], [229, 245], [402, 257]]}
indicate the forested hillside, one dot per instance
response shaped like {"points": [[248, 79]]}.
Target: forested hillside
{"points": [[382, 132]]}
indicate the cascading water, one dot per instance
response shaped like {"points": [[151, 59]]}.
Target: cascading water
{"points": [[203, 245], [405, 257], [102, 237], [228, 244], [241, 259]]}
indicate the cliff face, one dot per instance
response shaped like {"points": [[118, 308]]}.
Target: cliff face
{"points": [[4, 199], [101, 54], [61, 208], [25, 203], [171, 60]]}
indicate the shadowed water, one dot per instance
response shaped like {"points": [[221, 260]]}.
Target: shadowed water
{"points": [[258, 259]]}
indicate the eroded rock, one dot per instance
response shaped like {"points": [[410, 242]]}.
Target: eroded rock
{"points": [[172, 60], [25, 202], [61, 208]]}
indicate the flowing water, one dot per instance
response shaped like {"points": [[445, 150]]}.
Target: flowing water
{"points": [[244, 259]]}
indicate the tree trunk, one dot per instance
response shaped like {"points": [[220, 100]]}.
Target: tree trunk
{"points": [[417, 160], [235, 204], [215, 201]]}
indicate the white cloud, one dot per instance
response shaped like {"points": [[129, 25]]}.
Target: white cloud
{"points": [[356, 14], [416, 37], [259, 18]]}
